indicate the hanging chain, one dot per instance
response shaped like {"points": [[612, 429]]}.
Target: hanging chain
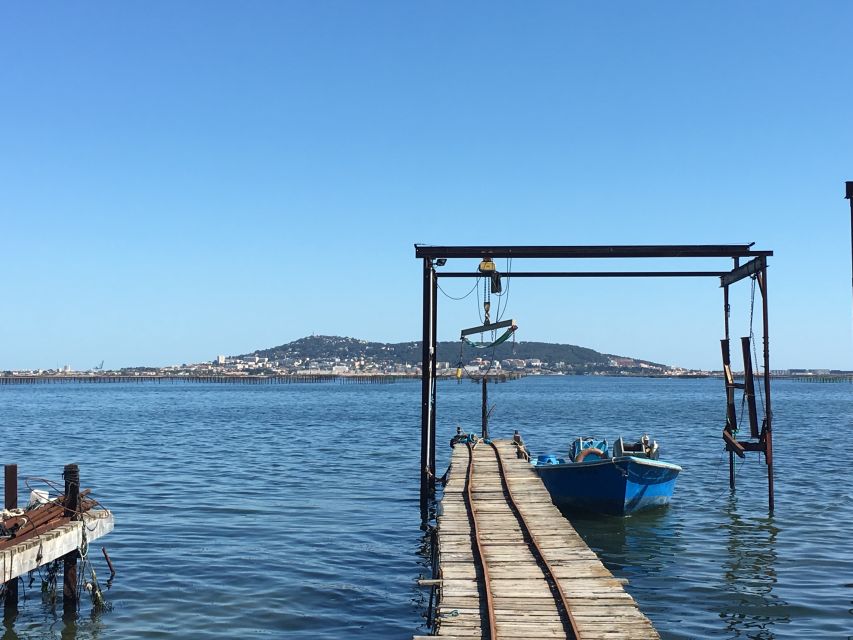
{"points": [[752, 336], [487, 302]]}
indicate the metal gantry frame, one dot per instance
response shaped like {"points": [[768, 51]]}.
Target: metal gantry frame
{"points": [[848, 195], [756, 267]]}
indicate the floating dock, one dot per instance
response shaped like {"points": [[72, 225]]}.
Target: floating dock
{"points": [[510, 565]]}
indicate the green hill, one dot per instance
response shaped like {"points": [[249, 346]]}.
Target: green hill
{"points": [[331, 347]]}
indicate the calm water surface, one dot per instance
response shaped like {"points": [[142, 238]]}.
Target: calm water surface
{"points": [[291, 511]]}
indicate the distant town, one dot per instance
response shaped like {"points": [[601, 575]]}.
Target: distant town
{"points": [[337, 356]]}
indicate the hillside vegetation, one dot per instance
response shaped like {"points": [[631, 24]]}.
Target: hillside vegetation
{"points": [[331, 347]]}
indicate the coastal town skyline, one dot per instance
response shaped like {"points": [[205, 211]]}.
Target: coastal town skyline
{"points": [[294, 362]]}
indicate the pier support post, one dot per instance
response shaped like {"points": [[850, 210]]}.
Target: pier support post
{"points": [[727, 315], [848, 194], [428, 345], [10, 486], [70, 597], [768, 411], [10, 491], [434, 373]]}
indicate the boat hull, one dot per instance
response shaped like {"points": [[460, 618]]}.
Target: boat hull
{"points": [[617, 486]]}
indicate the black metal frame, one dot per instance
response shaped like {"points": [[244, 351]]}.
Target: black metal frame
{"points": [[848, 195], [593, 251], [593, 274], [756, 267]]}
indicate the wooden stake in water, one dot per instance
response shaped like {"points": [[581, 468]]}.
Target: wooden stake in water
{"points": [[70, 597], [10, 489]]}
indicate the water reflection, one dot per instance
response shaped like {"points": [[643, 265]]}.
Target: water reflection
{"points": [[10, 614], [69, 626], [749, 575], [66, 625], [649, 549], [427, 564], [641, 544]]}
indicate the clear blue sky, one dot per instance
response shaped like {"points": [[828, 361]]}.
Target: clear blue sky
{"points": [[184, 179]]}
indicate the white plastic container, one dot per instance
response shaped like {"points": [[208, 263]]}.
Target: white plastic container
{"points": [[38, 496]]}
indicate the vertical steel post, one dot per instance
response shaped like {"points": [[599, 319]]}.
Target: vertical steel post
{"points": [[427, 381], [848, 194], [485, 409], [10, 490], [433, 385], [726, 311], [768, 411], [70, 597]]}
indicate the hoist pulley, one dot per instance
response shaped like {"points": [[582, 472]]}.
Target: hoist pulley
{"points": [[487, 266]]}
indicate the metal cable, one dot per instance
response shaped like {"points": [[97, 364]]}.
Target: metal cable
{"points": [[447, 295], [752, 339]]}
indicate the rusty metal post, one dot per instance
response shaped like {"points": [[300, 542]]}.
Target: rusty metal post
{"points": [[10, 486], [109, 562], [10, 490], [427, 394], [726, 313], [768, 411], [848, 194], [70, 597], [485, 413], [433, 403]]}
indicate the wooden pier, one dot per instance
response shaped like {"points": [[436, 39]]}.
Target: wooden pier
{"points": [[17, 560], [205, 379], [51, 531], [510, 565]]}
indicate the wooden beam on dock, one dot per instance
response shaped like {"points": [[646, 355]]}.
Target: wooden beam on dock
{"points": [[522, 595]]}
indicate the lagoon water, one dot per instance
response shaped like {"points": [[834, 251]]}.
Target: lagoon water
{"points": [[291, 511]]}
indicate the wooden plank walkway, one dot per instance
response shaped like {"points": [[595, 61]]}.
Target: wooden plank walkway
{"points": [[524, 602]]}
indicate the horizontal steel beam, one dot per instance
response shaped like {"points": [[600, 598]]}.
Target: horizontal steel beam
{"points": [[588, 274], [503, 324], [592, 251], [743, 271]]}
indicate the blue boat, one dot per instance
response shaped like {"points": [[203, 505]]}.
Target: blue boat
{"points": [[592, 479]]}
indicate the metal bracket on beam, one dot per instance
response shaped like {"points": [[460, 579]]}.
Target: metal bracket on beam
{"points": [[488, 327], [744, 271], [733, 445]]}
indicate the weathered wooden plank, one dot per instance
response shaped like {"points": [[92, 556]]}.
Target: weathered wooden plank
{"points": [[511, 570], [519, 602]]}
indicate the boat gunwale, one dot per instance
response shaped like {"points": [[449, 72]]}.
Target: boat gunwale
{"points": [[597, 463]]}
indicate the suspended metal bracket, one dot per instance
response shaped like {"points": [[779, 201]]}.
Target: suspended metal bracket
{"points": [[744, 271], [503, 324]]}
